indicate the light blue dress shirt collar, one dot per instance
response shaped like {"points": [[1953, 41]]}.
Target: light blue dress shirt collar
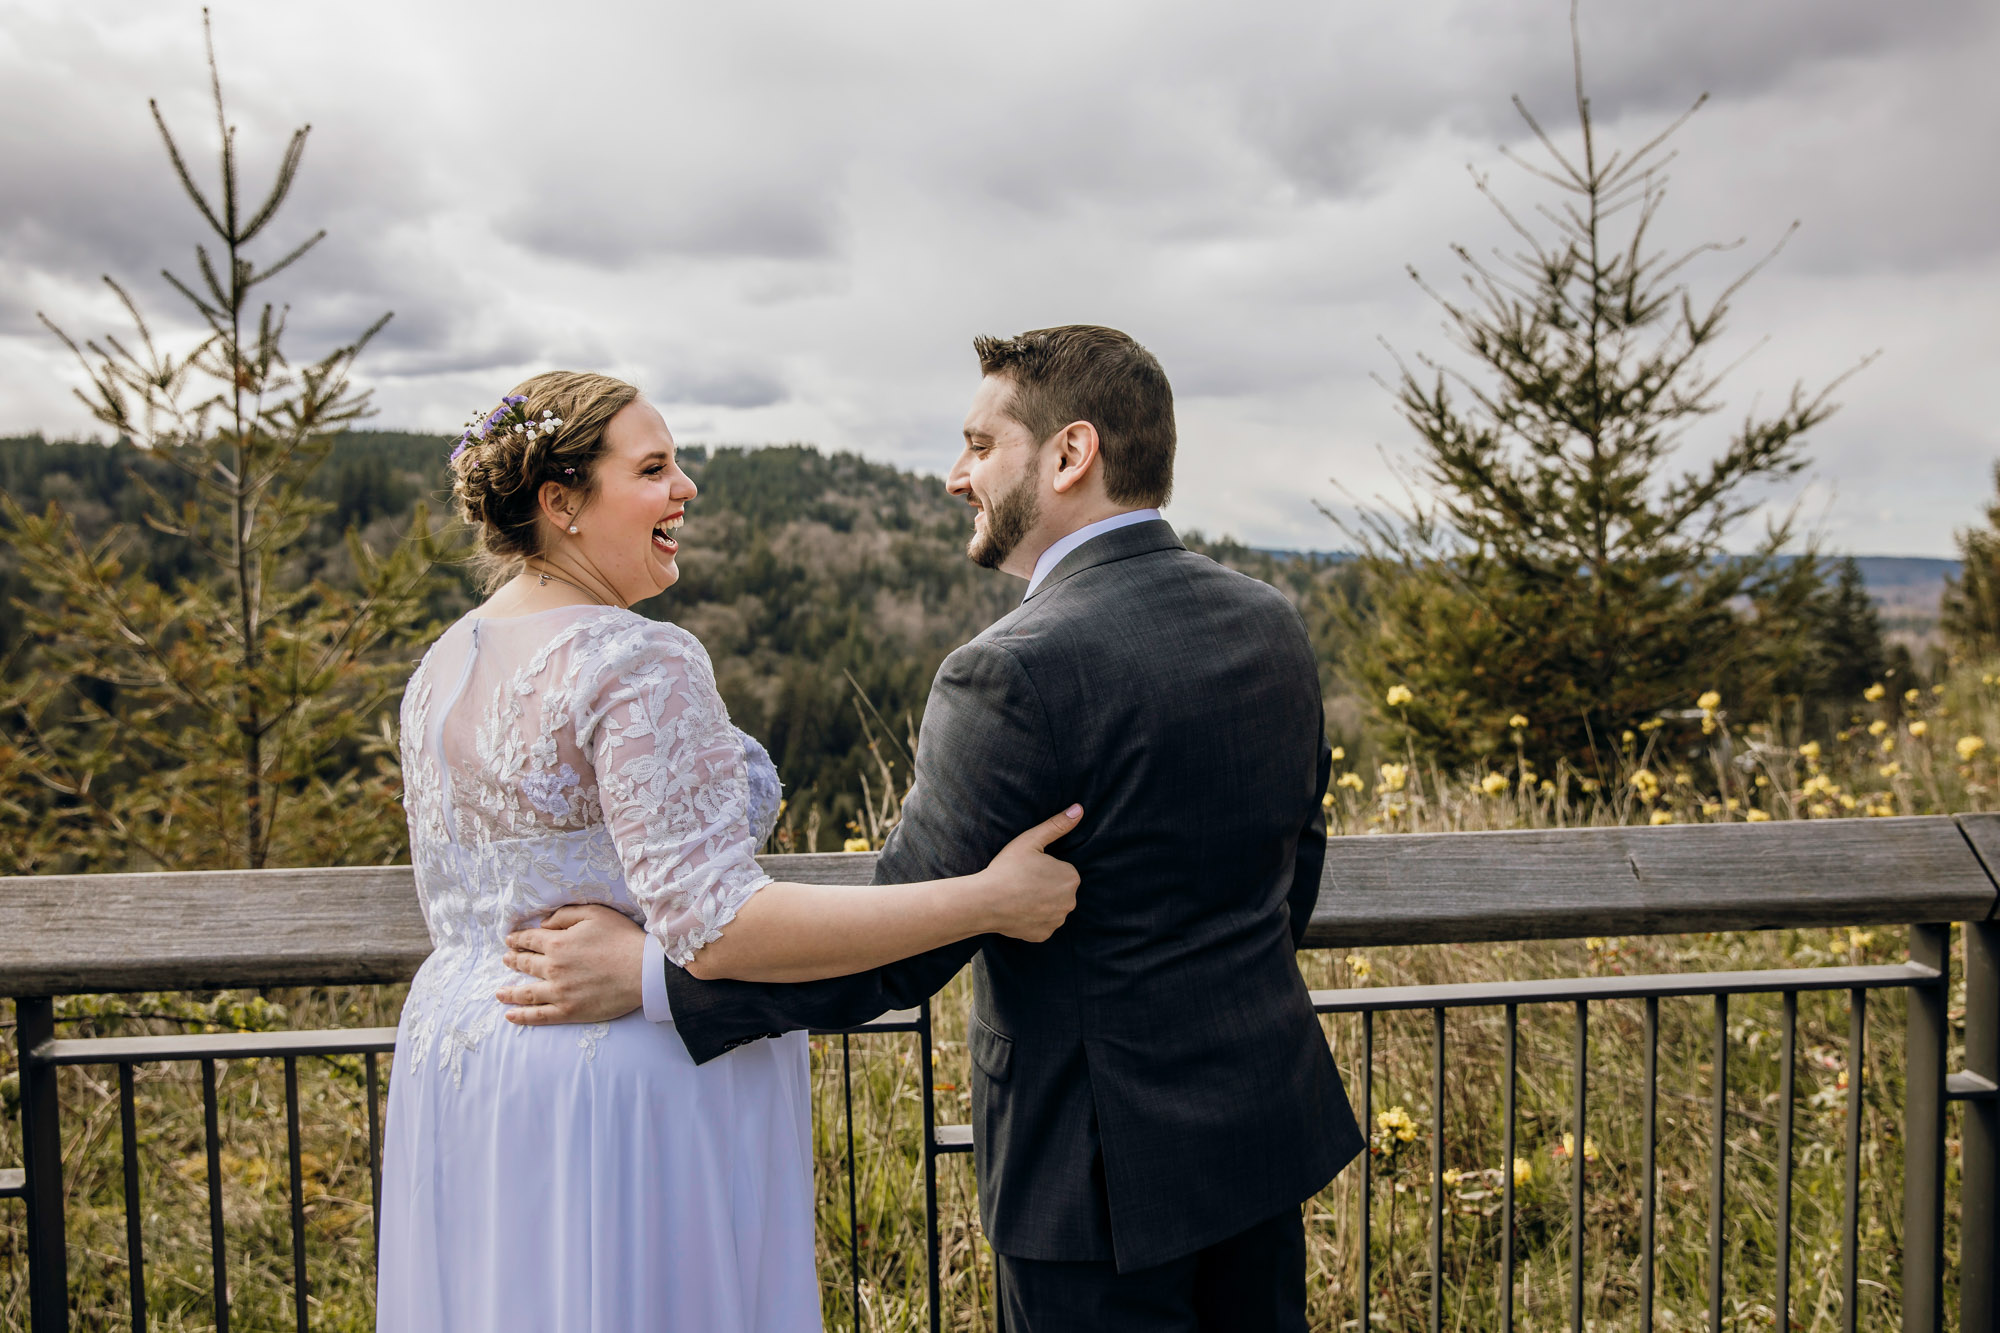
{"points": [[1053, 556]]}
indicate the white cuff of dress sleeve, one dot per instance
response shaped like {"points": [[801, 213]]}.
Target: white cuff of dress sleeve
{"points": [[653, 985]]}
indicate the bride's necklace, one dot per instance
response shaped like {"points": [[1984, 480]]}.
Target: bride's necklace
{"points": [[546, 576]]}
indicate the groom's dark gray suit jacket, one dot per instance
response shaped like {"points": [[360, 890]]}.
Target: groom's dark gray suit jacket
{"points": [[1151, 1079]]}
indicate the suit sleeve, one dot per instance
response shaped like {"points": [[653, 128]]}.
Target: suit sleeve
{"points": [[1311, 856], [986, 769]]}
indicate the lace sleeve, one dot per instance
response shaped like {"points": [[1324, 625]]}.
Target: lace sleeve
{"points": [[673, 781]]}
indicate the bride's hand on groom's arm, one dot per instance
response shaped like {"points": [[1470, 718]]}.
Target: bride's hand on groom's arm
{"points": [[586, 964]]}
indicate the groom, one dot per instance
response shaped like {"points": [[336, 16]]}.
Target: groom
{"points": [[1152, 1095]]}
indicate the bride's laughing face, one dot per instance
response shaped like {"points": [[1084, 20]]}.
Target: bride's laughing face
{"points": [[628, 529]]}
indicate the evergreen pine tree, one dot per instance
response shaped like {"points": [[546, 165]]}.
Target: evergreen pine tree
{"points": [[1850, 651], [1556, 564], [218, 719], [1970, 614]]}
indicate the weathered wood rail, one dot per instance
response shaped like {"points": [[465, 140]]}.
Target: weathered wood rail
{"points": [[107, 933]]}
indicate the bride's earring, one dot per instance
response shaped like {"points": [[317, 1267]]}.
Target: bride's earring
{"points": [[572, 527]]}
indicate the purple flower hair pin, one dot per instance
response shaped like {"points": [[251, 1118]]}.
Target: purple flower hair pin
{"points": [[510, 415]]}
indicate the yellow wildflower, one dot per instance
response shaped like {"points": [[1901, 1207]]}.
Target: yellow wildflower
{"points": [[1547, 788], [1819, 784], [1628, 736], [1524, 1171], [1326, 801], [1911, 696], [1937, 689], [1662, 817], [1969, 746], [1493, 784], [1451, 1175], [1711, 809], [1810, 752], [856, 845], [1517, 721], [1396, 1123], [1568, 1148], [1732, 805], [1651, 724], [1877, 727], [1399, 695], [1874, 693], [1709, 701], [1858, 938], [1756, 816], [1352, 781], [1919, 727], [1890, 770], [1359, 966], [1888, 745], [1394, 776], [1339, 753], [1646, 784]]}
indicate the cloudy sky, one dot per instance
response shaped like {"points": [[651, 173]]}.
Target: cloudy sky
{"points": [[785, 221]]}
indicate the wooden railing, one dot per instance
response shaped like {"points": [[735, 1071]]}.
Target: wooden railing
{"points": [[64, 935]]}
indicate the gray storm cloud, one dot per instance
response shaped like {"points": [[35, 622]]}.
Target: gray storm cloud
{"points": [[787, 221]]}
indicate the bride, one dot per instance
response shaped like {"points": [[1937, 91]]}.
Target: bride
{"points": [[559, 748]]}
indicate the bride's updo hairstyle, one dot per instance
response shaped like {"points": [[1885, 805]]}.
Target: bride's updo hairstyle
{"points": [[548, 428]]}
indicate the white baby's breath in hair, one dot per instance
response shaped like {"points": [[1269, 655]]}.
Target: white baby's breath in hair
{"points": [[511, 412]]}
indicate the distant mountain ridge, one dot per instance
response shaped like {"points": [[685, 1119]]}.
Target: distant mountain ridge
{"points": [[1906, 589]]}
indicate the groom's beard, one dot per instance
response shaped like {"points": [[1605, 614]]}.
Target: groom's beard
{"points": [[1007, 521]]}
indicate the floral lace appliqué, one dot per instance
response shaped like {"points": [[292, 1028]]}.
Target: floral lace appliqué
{"points": [[546, 791]]}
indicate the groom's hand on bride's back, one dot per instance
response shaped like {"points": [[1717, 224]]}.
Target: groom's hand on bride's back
{"points": [[586, 963]]}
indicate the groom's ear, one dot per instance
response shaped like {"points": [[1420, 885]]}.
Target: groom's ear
{"points": [[1076, 455]]}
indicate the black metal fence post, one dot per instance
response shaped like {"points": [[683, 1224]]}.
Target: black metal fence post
{"points": [[1979, 1178], [1923, 1135], [931, 1239], [41, 1152]]}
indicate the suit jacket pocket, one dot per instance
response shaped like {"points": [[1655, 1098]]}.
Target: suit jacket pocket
{"points": [[992, 1051]]}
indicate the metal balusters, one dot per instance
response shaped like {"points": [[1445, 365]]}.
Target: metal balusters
{"points": [[1507, 1170], [853, 1213], [1789, 1054], [297, 1164], [1649, 1205], [1927, 1032], [1576, 1164], [1437, 1170], [374, 1150], [1717, 1154], [135, 1244], [1367, 1152], [218, 1258], [1850, 1273]]}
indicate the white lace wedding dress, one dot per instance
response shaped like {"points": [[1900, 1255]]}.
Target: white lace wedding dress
{"points": [[584, 1179]]}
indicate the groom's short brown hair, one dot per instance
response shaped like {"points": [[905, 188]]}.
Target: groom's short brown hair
{"points": [[1082, 372]]}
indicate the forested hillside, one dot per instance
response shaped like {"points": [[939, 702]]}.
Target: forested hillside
{"points": [[827, 588], [823, 586]]}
